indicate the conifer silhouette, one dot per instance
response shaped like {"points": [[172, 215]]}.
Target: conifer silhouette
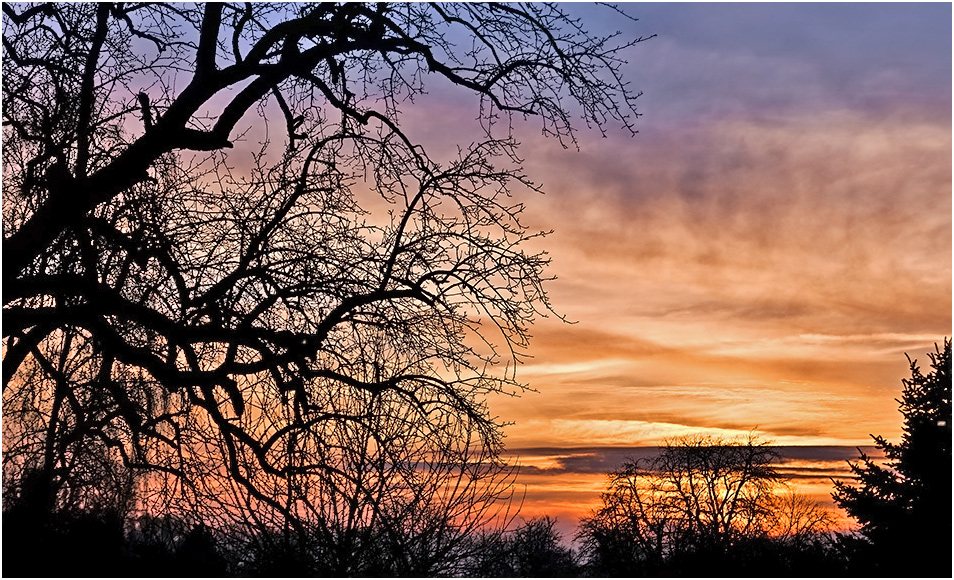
{"points": [[904, 506]]}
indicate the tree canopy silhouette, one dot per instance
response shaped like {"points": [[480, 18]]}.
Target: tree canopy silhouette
{"points": [[904, 506], [533, 550], [226, 259], [703, 506]]}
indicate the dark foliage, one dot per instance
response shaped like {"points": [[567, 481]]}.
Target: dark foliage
{"points": [[904, 506], [40, 544], [108, 544], [535, 549]]}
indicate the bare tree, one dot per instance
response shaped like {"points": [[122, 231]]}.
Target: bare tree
{"points": [[699, 495], [50, 461], [230, 294], [400, 495]]}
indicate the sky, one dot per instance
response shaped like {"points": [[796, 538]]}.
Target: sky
{"points": [[760, 257], [765, 251]]}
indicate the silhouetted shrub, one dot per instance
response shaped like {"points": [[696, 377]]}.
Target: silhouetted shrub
{"points": [[535, 549]]}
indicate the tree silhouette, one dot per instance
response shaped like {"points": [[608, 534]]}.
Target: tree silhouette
{"points": [[534, 549], [904, 506], [703, 505], [402, 499], [221, 244]]}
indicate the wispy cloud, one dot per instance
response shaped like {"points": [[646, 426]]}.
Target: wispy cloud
{"points": [[760, 257], [768, 247], [742, 274]]}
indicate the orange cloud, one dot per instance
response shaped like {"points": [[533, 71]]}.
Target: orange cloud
{"points": [[766, 273]]}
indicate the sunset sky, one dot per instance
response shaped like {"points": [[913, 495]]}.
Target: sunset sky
{"points": [[763, 253], [760, 256]]}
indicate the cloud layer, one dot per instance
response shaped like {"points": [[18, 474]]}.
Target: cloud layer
{"points": [[742, 274], [766, 250]]}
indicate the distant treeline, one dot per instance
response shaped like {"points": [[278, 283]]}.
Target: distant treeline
{"points": [[701, 506]]}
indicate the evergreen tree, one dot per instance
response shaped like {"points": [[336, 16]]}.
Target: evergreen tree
{"points": [[904, 506]]}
